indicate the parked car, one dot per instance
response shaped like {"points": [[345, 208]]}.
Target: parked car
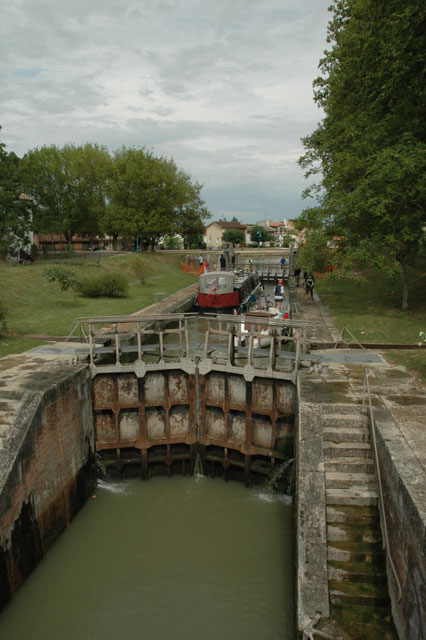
{"points": [[97, 247]]}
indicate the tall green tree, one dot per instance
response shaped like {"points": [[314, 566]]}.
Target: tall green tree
{"points": [[260, 234], [69, 187], [236, 236], [15, 211], [151, 198], [369, 151], [192, 215]]}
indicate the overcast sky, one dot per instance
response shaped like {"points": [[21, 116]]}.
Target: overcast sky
{"points": [[222, 86]]}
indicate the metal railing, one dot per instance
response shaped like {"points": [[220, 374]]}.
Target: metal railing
{"points": [[366, 391], [222, 337], [342, 335]]}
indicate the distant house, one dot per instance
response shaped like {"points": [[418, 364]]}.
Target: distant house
{"points": [[276, 229], [214, 231], [56, 242]]}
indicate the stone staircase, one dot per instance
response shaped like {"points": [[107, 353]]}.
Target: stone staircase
{"points": [[356, 562]]}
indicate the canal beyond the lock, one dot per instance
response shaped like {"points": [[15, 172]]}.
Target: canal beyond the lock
{"points": [[185, 558]]}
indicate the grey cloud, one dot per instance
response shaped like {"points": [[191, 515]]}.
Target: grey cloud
{"points": [[224, 88]]}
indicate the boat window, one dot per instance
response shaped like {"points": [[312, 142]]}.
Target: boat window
{"points": [[222, 283]]}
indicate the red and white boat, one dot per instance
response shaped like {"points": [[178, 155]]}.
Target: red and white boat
{"points": [[222, 291]]}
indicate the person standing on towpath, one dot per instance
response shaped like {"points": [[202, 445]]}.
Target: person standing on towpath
{"points": [[279, 294], [309, 287]]}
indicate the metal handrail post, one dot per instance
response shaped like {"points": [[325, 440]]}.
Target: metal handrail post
{"points": [[117, 345], [139, 342], [91, 344]]}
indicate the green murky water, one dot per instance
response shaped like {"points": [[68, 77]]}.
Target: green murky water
{"points": [[182, 558]]}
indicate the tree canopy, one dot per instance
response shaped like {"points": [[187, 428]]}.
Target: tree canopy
{"points": [[369, 151], [69, 187], [260, 234], [130, 193], [236, 236]]}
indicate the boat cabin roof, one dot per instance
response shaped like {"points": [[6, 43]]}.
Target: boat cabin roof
{"points": [[216, 282]]}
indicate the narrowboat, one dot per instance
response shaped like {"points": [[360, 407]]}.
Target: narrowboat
{"points": [[222, 291]]}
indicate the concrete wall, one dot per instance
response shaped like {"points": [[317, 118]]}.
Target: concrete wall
{"points": [[46, 470], [402, 479]]}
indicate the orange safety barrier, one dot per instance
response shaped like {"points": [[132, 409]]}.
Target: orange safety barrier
{"points": [[194, 270]]}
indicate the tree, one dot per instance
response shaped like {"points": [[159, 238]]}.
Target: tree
{"points": [[15, 211], [260, 234], [65, 278], [287, 239], [315, 253], [192, 215], [370, 148], [150, 198], [69, 187], [236, 236], [141, 195]]}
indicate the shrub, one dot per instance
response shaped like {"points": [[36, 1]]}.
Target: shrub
{"points": [[171, 242], [64, 277], [140, 270], [108, 285]]}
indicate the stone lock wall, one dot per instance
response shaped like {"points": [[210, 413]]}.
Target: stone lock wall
{"points": [[402, 488], [46, 472]]}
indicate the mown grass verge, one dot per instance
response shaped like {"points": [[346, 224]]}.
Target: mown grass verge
{"points": [[38, 307], [371, 310]]}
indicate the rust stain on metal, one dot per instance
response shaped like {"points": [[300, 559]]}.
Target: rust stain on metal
{"points": [[103, 392], [127, 390], [158, 410]]}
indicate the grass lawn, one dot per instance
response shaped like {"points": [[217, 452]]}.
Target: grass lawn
{"points": [[371, 310], [37, 307]]}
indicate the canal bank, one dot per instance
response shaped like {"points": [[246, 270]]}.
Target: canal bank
{"points": [[46, 458]]}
